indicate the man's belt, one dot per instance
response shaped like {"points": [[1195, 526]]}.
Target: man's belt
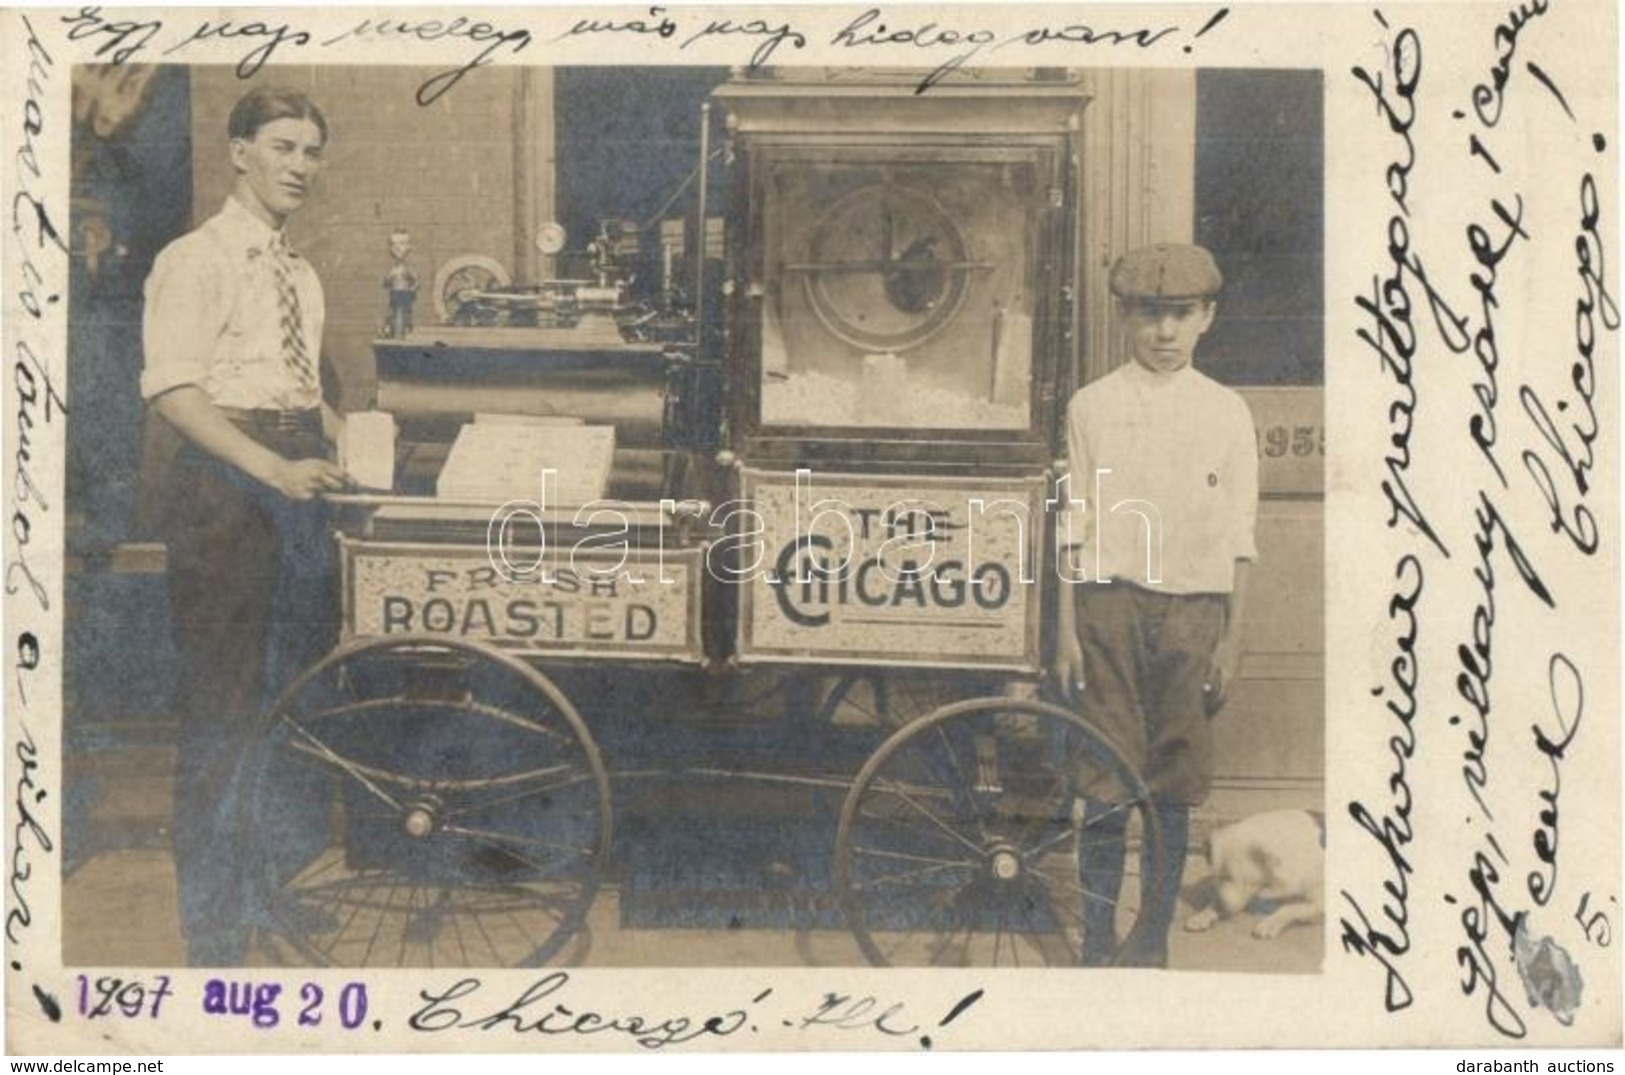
{"points": [[270, 420]]}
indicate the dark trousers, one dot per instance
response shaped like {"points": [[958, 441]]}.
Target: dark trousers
{"points": [[252, 600], [1146, 657]]}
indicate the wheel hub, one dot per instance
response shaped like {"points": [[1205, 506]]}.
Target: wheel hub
{"points": [[1005, 862], [421, 817]]}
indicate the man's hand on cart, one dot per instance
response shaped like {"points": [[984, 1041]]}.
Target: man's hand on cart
{"points": [[332, 425], [302, 479]]}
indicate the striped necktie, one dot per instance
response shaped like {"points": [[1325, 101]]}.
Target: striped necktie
{"points": [[295, 355]]}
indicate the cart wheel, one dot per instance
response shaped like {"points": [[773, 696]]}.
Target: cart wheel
{"points": [[957, 842], [417, 802]]}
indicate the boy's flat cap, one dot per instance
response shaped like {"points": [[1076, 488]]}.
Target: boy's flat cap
{"points": [[1167, 272]]}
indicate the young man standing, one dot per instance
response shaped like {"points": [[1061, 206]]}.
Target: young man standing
{"points": [[232, 336], [1150, 634]]}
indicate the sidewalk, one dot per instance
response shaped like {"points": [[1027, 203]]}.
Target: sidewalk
{"points": [[119, 899]]}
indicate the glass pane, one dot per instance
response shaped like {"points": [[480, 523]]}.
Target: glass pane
{"points": [[899, 294]]}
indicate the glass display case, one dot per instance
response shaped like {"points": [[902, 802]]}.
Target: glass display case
{"points": [[901, 292], [902, 274]]}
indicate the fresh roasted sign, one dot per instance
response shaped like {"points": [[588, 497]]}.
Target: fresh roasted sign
{"points": [[595, 603]]}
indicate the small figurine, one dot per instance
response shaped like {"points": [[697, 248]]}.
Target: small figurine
{"points": [[402, 285], [602, 250]]}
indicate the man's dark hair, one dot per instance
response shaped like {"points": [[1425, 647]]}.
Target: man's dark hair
{"points": [[267, 105]]}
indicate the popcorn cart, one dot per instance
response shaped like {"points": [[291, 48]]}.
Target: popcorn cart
{"points": [[804, 482]]}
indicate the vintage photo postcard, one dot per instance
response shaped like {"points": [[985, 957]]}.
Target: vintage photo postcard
{"points": [[769, 528]]}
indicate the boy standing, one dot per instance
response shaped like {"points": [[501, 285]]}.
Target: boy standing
{"points": [[1150, 634]]}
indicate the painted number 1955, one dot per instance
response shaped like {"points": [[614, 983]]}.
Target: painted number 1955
{"points": [[1278, 441]]}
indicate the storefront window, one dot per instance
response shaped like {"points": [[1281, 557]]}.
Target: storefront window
{"points": [[1259, 208]]}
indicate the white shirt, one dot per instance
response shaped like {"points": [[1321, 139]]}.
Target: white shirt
{"points": [[1182, 458], [212, 317]]}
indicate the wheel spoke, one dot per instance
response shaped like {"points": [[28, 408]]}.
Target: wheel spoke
{"points": [[502, 800], [371, 775], [500, 841], [1054, 907], [919, 697], [479, 924], [962, 782], [344, 929], [878, 853], [908, 825], [1043, 847], [523, 932], [443, 899], [377, 930], [321, 749], [334, 859], [947, 943], [408, 923], [944, 941], [1116, 808], [935, 820], [531, 724], [1044, 810], [905, 876], [1075, 888], [843, 696]]}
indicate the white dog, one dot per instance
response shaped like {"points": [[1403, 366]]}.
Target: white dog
{"points": [[1277, 856]]}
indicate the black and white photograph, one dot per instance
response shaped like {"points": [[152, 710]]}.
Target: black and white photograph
{"points": [[810, 646], [542, 517]]}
